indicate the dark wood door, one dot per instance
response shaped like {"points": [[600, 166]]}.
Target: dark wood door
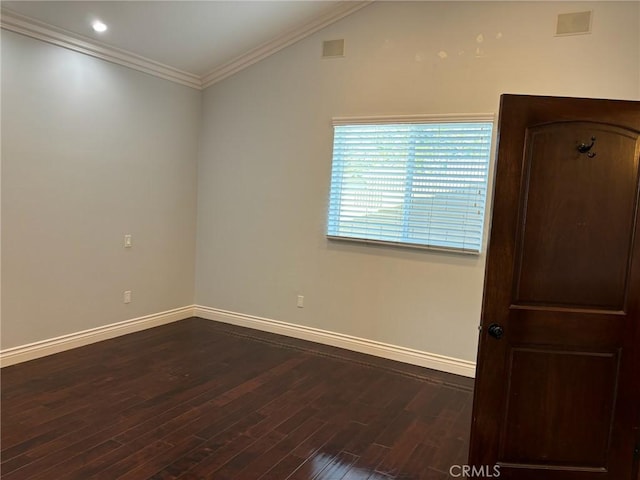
{"points": [[558, 393]]}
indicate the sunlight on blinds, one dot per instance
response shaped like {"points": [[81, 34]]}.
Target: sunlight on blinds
{"points": [[418, 184]]}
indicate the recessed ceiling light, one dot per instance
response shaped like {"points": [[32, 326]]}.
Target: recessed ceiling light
{"points": [[99, 27]]}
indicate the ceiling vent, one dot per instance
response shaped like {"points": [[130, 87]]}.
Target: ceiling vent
{"points": [[333, 48], [577, 23]]}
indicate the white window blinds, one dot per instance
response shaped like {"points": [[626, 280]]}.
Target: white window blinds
{"points": [[417, 183]]}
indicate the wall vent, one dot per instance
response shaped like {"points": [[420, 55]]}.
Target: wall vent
{"points": [[577, 23], [333, 48]]}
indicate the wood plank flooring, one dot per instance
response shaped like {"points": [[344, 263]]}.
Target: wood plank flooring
{"points": [[201, 400]]}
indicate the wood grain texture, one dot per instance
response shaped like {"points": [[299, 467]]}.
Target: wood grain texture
{"points": [[557, 395], [197, 399]]}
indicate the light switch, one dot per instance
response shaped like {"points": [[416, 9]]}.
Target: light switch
{"points": [[128, 242]]}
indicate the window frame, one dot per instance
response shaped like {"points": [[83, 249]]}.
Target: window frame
{"points": [[419, 119]]}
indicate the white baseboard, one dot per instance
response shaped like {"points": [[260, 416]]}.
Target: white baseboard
{"points": [[362, 345], [23, 353]]}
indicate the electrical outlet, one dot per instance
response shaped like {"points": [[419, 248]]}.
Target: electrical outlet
{"points": [[128, 241], [300, 301], [127, 296]]}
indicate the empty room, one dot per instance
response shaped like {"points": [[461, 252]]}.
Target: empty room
{"points": [[320, 240]]}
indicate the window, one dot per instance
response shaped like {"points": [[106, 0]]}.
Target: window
{"points": [[418, 182]]}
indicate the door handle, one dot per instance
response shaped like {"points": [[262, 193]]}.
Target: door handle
{"points": [[496, 331]]}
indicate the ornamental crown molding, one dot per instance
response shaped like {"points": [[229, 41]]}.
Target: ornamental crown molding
{"points": [[45, 32], [340, 10], [63, 38]]}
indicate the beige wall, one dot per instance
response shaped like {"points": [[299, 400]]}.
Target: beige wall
{"points": [[91, 151], [265, 158]]}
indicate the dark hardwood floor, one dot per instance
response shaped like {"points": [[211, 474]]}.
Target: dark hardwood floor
{"points": [[197, 399]]}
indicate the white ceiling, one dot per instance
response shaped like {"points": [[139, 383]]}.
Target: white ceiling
{"points": [[193, 36]]}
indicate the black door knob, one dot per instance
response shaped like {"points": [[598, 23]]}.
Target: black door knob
{"points": [[496, 331]]}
